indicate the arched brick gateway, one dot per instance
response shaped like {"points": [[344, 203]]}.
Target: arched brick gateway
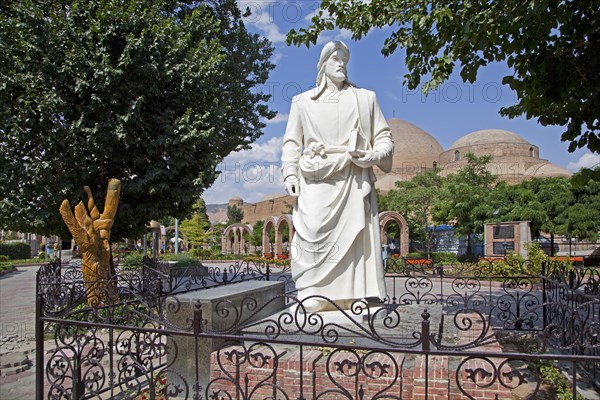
{"points": [[385, 219], [233, 236], [278, 224], [233, 240], [284, 220], [270, 222]]}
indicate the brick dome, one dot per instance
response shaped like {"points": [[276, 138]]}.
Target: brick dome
{"points": [[514, 159], [488, 136], [414, 149], [503, 146], [544, 170]]}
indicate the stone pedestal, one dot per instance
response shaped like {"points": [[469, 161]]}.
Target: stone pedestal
{"points": [[188, 356]]}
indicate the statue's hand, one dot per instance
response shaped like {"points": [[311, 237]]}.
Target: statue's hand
{"points": [[368, 158], [291, 186]]}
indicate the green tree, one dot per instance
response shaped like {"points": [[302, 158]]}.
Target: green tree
{"points": [[257, 229], [414, 199], [235, 215], [462, 195], [542, 201], [555, 195], [195, 228], [552, 47], [582, 218], [155, 94]]}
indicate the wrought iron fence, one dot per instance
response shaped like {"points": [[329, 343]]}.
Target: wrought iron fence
{"points": [[477, 331]]}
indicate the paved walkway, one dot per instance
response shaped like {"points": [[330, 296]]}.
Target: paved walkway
{"points": [[17, 333]]}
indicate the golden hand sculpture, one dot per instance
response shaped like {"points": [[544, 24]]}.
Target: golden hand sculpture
{"points": [[91, 231]]}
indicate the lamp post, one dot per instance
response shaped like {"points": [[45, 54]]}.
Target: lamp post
{"points": [[176, 236]]}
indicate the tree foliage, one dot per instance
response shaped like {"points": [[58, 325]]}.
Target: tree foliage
{"points": [[462, 195], [553, 205], [155, 94], [414, 199], [256, 239], [195, 228], [582, 217], [235, 215], [552, 47], [471, 198]]}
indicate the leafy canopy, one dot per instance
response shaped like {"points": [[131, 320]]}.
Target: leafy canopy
{"points": [[235, 215], [463, 193], [415, 199], [195, 229], [155, 94], [552, 46], [471, 197]]}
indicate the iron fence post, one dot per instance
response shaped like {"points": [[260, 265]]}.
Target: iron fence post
{"points": [[574, 388], [268, 272], [426, 347], [544, 298], [425, 324], [197, 324], [39, 346], [225, 276]]}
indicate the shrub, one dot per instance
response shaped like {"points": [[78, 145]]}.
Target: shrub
{"points": [[5, 266], [272, 261], [536, 256], [183, 260], [132, 261], [442, 257], [4, 258], [466, 258], [201, 253], [416, 255], [15, 251]]}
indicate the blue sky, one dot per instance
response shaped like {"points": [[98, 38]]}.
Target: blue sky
{"points": [[452, 111]]}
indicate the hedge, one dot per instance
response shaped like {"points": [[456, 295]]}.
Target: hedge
{"points": [[442, 257], [15, 251]]}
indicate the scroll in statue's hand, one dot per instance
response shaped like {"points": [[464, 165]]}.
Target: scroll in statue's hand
{"points": [[367, 158], [291, 186]]}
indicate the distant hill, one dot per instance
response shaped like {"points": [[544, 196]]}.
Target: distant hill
{"points": [[217, 213]]}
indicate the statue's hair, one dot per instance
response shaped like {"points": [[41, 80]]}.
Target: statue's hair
{"points": [[327, 51]]}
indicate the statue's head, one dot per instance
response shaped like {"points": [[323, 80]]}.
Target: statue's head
{"points": [[332, 65]]}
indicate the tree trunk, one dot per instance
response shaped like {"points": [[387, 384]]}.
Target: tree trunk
{"points": [[469, 252]]}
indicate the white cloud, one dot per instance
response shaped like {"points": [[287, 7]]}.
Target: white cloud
{"points": [[250, 174], [344, 34], [588, 160], [279, 118], [263, 18], [276, 57]]}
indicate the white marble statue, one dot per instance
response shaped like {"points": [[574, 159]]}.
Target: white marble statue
{"points": [[335, 134]]}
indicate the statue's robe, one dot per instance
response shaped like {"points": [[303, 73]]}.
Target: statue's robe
{"points": [[335, 251]]}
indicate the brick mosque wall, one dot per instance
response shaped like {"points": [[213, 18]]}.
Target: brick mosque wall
{"points": [[516, 150], [267, 208]]}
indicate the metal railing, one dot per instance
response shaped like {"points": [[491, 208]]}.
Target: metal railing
{"points": [[461, 331]]}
